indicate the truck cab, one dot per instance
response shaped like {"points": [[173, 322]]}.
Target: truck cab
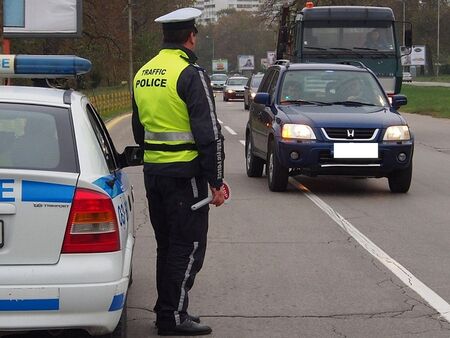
{"points": [[339, 34]]}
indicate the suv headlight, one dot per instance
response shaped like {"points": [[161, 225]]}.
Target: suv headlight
{"points": [[230, 91], [298, 131], [397, 133]]}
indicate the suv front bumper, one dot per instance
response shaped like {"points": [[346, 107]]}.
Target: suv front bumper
{"points": [[317, 158]]}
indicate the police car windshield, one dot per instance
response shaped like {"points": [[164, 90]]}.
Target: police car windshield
{"points": [[331, 87], [36, 138]]}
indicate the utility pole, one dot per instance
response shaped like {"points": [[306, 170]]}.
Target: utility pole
{"points": [[438, 31], [130, 46]]}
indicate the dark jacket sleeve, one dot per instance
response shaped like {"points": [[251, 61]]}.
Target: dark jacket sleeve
{"points": [[138, 128], [194, 88]]}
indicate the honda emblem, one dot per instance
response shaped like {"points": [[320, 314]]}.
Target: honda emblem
{"points": [[350, 133]]}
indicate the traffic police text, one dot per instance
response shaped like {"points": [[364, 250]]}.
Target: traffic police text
{"points": [[154, 82]]}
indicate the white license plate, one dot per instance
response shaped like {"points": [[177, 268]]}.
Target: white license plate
{"points": [[356, 150], [1, 233]]}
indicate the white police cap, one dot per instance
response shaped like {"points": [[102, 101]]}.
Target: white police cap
{"points": [[180, 19]]}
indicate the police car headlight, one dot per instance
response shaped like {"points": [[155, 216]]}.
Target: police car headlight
{"points": [[397, 133], [298, 131], [253, 95], [229, 91]]}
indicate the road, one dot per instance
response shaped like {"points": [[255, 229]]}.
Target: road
{"points": [[277, 265], [303, 263]]}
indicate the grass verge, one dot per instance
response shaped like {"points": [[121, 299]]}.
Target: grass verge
{"points": [[434, 101]]}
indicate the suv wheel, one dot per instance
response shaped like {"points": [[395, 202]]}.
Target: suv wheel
{"points": [[400, 180], [253, 164], [277, 174], [225, 98]]}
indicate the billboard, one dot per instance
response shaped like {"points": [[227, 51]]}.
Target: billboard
{"points": [[246, 62], [42, 18], [220, 66], [271, 56], [416, 58]]}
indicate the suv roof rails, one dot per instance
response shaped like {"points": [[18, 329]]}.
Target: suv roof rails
{"points": [[353, 63], [282, 62]]}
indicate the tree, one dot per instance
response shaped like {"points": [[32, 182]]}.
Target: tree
{"points": [[235, 33]]}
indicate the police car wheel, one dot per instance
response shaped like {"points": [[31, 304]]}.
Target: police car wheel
{"points": [[121, 329], [277, 174], [254, 165], [400, 180]]}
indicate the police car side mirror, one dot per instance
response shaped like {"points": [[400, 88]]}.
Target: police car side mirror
{"points": [[132, 156], [262, 98], [398, 101]]}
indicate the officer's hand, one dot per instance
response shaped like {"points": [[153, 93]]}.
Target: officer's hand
{"points": [[218, 196]]}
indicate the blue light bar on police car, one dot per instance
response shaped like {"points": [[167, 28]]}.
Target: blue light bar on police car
{"points": [[43, 66]]}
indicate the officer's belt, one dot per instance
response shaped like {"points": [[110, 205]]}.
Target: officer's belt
{"points": [[168, 136], [169, 147]]}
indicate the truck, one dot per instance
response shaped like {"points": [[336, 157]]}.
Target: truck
{"points": [[345, 34]]}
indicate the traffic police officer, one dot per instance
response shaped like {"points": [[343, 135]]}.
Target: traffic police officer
{"points": [[174, 120]]}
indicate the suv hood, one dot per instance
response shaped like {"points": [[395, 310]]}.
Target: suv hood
{"points": [[338, 116]]}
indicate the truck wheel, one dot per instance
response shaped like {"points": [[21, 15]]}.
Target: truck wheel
{"points": [[400, 180], [277, 174], [253, 164]]}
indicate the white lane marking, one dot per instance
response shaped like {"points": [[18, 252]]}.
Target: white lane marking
{"points": [[220, 121], [431, 297], [242, 142], [231, 131]]}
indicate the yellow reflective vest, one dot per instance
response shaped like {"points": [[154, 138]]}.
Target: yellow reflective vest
{"points": [[164, 115]]}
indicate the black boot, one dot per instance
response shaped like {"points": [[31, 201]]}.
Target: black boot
{"points": [[191, 317], [186, 328]]}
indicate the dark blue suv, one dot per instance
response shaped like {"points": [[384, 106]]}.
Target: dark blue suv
{"points": [[327, 119]]}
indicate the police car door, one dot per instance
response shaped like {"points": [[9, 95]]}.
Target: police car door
{"points": [[114, 183], [38, 175]]}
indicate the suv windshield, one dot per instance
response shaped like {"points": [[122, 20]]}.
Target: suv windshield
{"points": [[331, 87], [237, 82], [36, 137]]}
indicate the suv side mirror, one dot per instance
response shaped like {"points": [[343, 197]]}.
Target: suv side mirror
{"points": [[398, 101], [262, 98], [132, 156]]}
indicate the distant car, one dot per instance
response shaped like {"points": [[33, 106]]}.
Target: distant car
{"points": [[234, 88], [407, 77], [327, 119], [251, 88], [66, 208], [218, 81]]}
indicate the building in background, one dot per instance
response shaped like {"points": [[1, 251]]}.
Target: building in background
{"points": [[211, 7]]}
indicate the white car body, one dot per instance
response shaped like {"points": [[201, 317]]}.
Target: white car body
{"points": [[40, 287]]}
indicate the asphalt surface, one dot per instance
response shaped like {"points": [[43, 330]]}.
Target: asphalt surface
{"points": [[285, 265], [279, 266]]}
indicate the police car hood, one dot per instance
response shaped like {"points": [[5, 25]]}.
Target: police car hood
{"points": [[337, 116]]}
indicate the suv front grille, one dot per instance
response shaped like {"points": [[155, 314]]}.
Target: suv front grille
{"points": [[350, 133]]}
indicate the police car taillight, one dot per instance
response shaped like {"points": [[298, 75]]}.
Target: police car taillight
{"points": [[92, 225], [43, 66]]}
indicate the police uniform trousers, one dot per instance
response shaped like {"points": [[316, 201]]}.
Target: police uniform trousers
{"points": [[181, 241]]}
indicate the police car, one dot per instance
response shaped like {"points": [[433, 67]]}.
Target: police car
{"points": [[66, 206]]}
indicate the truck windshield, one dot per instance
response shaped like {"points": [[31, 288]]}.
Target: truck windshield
{"points": [[337, 37]]}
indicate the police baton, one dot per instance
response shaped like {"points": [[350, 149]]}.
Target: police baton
{"points": [[227, 194]]}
